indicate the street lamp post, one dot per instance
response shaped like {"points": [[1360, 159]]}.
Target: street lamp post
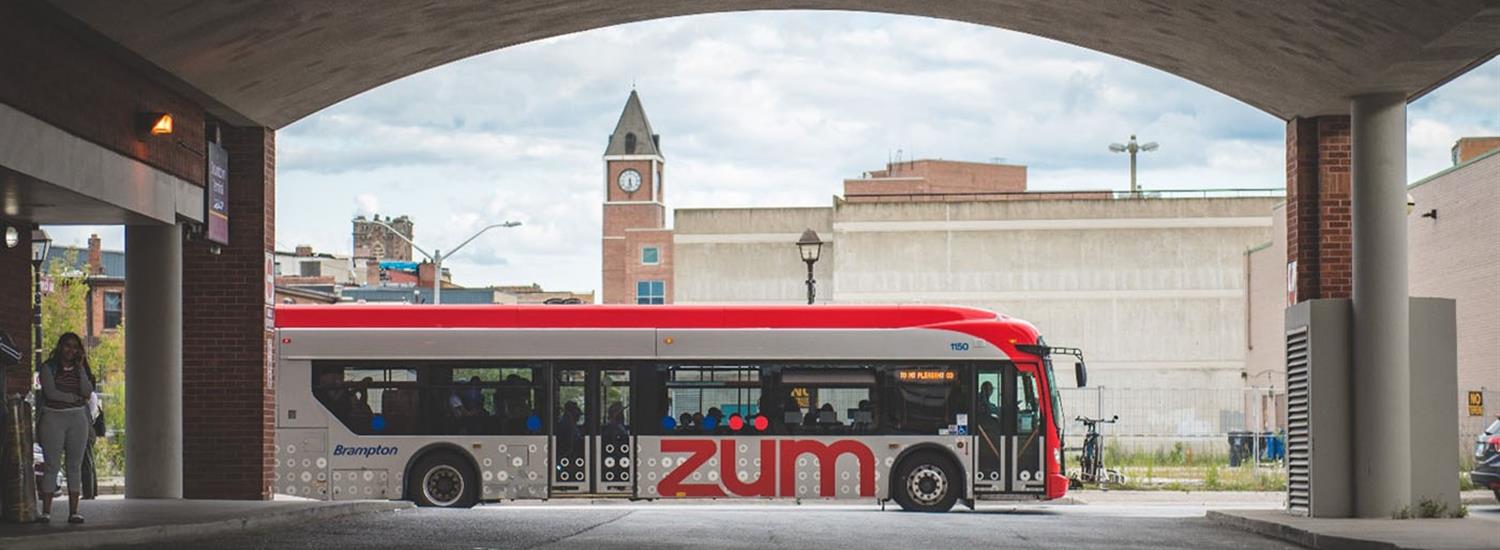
{"points": [[40, 244], [437, 256], [810, 246], [1132, 147]]}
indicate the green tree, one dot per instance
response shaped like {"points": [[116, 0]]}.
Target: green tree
{"points": [[64, 310]]}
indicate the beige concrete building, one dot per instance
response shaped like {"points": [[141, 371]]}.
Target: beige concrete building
{"points": [[1453, 243], [1152, 289]]}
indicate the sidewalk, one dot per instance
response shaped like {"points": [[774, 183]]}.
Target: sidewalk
{"points": [[115, 520], [1481, 530]]}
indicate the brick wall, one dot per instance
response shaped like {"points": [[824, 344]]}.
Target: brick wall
{"points": [[636, 271], [15, 306], [57, 73], [1319, 228], [228, 400]]}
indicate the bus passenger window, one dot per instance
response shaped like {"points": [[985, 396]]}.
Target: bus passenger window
{"points": [[712, 399], [924, 399], [836, 400]]}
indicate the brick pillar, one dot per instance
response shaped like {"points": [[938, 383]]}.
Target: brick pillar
{"points": [[228, 397], [1317, 206], [15, 304]]}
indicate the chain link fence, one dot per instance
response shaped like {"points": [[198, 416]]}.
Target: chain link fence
{"points": [[1202, 418], [1151, 419]]}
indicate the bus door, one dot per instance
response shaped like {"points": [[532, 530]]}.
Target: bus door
{"points": [[590, 433], [990, 438], [1023, 420]]}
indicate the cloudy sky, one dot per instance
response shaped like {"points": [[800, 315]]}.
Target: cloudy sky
{"points": [[762, 109]]}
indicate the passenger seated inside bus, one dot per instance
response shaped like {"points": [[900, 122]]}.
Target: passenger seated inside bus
{"points": [[685, 424], [714, 421], [615, 430], [359, 407]]}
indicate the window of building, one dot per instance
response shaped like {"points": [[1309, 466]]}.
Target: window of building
{"points": [[828, 400], [711, 399], [650, 255], [650, 292], [114, 309], [630, 143], [311, 268]]}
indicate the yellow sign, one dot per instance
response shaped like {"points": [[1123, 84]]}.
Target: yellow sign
{"points": [[1476, 403], [926, 375]]}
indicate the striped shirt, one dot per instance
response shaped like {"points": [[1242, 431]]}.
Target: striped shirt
{"points": [[65, 380]]}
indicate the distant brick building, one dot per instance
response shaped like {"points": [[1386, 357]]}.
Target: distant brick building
{"points": [[104, 273], [373, 241]]}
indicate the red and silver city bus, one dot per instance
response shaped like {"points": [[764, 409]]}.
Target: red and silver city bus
{"points": [[453, 405]]}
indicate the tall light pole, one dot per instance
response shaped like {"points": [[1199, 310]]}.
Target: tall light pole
{"points": [[1132, 147], [810, 247], [40, 243], [437, 256]]}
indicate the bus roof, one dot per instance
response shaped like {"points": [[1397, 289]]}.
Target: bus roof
{"points": [[628, 316]]}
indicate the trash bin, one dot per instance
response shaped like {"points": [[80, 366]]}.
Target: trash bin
{"points": [[1275, 447], [1239, 447]]}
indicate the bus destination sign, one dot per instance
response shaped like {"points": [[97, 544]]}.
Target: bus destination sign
{"points": [[926, 375]]}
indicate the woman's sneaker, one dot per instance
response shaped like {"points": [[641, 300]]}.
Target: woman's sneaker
{"points": [[75, 518], [43, 518]]}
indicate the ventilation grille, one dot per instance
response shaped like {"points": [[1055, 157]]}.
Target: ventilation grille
{"points": [[1298, 441]]}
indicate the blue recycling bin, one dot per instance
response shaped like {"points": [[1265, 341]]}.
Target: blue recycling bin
{"points": [[1273, 447]]}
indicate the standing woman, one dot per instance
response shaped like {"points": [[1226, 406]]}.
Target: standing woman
{"points": [[65, 425]]}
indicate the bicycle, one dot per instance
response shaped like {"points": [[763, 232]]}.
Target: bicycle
{"points": [[1092, 468]]}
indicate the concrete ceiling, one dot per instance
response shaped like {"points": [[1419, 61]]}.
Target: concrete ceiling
{"points": [[272, 62]]}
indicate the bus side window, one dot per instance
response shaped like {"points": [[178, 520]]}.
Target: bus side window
{"points": [[710, 400], [1026, 403], [923, 399]]}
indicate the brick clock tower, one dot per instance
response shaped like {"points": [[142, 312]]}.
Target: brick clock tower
{"points": [[637, 246]]}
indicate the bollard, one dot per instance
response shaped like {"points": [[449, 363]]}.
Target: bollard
{"points": [[18, 498]]}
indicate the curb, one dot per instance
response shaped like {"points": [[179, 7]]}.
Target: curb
{"points": [[1295, 535], [159, 533]]}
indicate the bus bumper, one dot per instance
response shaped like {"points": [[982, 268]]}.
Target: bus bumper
{"points": [[1057, 486]]}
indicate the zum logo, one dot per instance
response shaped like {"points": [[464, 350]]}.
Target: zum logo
{"points": [[765, 485]]}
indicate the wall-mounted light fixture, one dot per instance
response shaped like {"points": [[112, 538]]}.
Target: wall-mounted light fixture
{"points": [[1430, 214], [156, 124]]}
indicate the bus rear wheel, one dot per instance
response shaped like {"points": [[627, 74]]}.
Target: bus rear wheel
{"points": [[444, 480], [926, 482]]}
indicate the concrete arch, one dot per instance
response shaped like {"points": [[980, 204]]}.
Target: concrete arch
{"points": [[272, 62]]}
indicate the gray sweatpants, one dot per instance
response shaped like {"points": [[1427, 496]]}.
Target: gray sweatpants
{"points": [[65, 432]]}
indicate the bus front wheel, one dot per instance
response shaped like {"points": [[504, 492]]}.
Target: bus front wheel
{"points": [[927, 482], [445, 481]]}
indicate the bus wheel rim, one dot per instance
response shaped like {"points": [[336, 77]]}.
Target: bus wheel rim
{"points": [[443, 485], [927, 484]]}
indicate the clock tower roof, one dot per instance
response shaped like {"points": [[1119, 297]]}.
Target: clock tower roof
{"points": [[633, 135]]}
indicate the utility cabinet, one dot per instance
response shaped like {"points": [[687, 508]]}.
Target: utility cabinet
{"points": [[1319, 452]]}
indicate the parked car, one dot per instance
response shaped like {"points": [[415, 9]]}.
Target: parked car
{"points": [[1486, 471]]}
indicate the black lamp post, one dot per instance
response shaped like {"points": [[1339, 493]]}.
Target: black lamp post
{"points": [[810, 246], [40, 243]]}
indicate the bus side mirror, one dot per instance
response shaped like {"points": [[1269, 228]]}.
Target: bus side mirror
{"points": [[1081, 374]]}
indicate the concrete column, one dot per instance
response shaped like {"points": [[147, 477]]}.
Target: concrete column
{"points": [[153, 362], [1382, 331]]}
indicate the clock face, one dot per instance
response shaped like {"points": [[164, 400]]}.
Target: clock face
{"points": [[630, 181]]}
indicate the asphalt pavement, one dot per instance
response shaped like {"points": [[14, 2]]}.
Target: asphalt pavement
{"points": [[564, 525]]}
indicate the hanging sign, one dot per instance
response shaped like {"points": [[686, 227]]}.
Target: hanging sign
{"points": [[218, 195]]}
